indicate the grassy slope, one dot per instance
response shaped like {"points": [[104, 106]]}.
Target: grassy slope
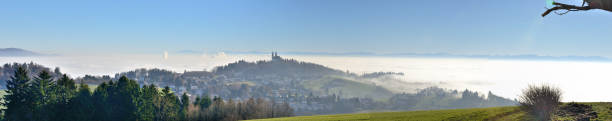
{"points": [[603, 109], [437, 115], [497, 113]]}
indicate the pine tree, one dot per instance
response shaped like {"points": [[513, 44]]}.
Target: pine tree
{"points": [[41, 99], [184, 105], [17, 98], [123, 99], [100, 98], [168, 106], [43, 96], [81, 105], [184, 101], [146, 107], [204, 102], [65, 90]]}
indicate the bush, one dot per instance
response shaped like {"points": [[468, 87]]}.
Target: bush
{"points": [[541, 101]]}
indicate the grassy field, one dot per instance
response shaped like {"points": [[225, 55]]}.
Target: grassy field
{"points": [[477, 114], [604, 110]]}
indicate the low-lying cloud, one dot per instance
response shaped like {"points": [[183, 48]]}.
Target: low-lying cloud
{"points": [[580, 81]]}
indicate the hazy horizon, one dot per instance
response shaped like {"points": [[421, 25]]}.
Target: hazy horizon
{"points": [[503, 77]]}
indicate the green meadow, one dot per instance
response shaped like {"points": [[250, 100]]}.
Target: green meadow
{"points": [[476, 114]]}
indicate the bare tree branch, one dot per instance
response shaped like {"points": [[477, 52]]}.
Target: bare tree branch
{"points": [[561, 6]]}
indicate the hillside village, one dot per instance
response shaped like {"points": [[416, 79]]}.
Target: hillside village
{"points": [[308, 88]]}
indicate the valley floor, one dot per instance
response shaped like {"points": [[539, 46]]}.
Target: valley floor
{"points": [[602, 109]]}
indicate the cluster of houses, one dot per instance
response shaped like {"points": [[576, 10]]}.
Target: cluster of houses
{"points": [[239, 86]]}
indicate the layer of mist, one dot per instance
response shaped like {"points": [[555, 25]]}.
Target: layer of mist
{"points": [[580, 81]]}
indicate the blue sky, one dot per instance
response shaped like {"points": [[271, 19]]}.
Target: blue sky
{"points": [[379, 26]]}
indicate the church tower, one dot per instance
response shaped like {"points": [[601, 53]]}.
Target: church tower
{"points": [[275, 56]]}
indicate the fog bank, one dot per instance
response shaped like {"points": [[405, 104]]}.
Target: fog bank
{"points": [[580, 81]]}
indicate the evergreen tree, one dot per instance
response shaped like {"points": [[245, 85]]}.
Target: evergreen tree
{"points": [[64, 92], [123, 99], [184, 105], [100, 98], [146, 107], [204, 102], [43, 96], [168, 106], [17, 98], [184, 101], [81, 106]]}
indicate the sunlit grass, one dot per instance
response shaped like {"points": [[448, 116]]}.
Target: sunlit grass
{"points": [[476, 114], [603, 109]]}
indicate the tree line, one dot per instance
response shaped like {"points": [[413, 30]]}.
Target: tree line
{"points": [[48, 98]]}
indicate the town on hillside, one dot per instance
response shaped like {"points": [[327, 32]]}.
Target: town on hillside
{"points": [[307, 87]]}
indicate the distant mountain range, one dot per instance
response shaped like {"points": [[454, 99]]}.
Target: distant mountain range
{"points": [[17, 52]]}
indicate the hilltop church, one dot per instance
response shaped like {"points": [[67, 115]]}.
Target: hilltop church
{"points": [[275, 56]]}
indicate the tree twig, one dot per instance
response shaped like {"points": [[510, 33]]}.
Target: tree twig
{"points": [[561, 6]]}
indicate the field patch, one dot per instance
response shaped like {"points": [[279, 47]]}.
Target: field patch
{"points": [[433, 115], [603, 110]]}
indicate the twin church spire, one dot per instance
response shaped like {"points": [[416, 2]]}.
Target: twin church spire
{"points": [[275, 56]]}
